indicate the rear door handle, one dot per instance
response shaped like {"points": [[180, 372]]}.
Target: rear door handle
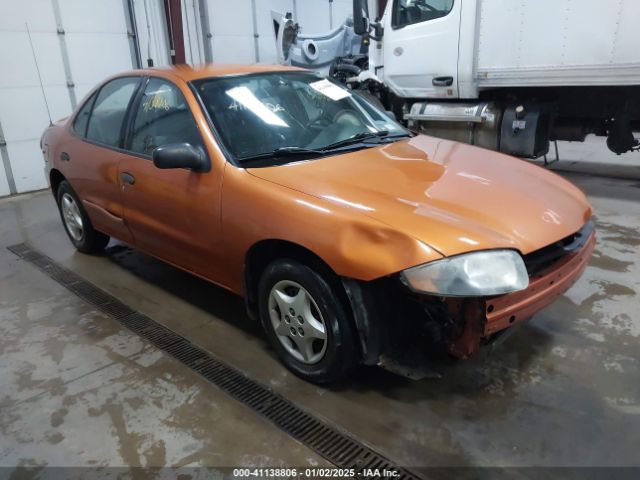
{"points": [[64, 156], [128, 178], [442, 81]]}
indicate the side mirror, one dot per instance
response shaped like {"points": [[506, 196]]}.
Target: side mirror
{"points": [[361, 22], [180, 155]]}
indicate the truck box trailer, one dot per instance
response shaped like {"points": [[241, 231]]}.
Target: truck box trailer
{"points": [[504, 74]]}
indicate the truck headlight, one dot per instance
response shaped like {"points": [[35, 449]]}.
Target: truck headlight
{"points": [[484, 273]]}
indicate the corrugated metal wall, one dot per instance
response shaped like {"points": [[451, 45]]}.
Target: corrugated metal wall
{"points": [[77, 43]]}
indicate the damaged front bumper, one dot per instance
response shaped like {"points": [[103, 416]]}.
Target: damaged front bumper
{"points": [[389, 318]]}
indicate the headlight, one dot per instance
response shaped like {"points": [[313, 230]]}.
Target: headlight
{"points": [[491, 272]]}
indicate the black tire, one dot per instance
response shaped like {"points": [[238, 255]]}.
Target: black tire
{"points": [[340, 354], [90, 240]]}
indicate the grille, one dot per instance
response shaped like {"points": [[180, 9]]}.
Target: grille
{"points": [[538, 261], [331, 442]]}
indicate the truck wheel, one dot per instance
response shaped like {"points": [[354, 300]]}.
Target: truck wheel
{"points": [[76, 221], [306, 323]]}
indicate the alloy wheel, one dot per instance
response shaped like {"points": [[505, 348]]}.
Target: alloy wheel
{"points": [[297, 321], [72, 217]]}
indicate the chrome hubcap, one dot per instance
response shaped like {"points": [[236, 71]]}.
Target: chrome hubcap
{"points": [[71, 216], [297, 322]]}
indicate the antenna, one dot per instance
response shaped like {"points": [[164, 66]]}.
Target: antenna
{"points": [[33, 51]]}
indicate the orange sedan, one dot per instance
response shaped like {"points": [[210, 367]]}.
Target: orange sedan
{"points": [[346, 234]]}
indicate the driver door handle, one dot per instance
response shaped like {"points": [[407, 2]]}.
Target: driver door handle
{"points": [[442, 81], [128, 178]]}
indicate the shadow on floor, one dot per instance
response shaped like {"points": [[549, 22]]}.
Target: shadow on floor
{"points": [[457, 377]]}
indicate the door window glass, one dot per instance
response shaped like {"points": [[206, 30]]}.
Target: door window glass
{"points": [[408, 12], [163, 117], [82, 119], [109, 111]]}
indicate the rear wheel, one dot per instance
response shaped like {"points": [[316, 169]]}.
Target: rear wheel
{"points": [[76, 221], [306, 323]]}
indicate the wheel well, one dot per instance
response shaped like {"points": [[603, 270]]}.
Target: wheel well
{"points": [[264, 252], [55, 177]]}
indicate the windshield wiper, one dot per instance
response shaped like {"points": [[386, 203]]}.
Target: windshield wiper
{"points": [[360, 137], [357, 138], [284, 152]]}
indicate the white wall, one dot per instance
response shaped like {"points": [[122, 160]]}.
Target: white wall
{"points": [[152, 36], [97, 46]]}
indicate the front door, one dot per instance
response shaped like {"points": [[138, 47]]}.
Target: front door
{"points": [[172, 213], [420, 45]]}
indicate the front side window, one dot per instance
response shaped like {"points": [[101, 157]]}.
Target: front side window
{"points": [[109, 111], [162, 117], [408, 12], [260, 113], [82, 119]]}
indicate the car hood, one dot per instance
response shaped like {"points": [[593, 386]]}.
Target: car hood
{"points": [[454, 197]]}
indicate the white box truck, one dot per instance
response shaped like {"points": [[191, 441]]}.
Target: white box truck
{"points": [[510, 75]]}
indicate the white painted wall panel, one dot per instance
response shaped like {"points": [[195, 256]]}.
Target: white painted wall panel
{"points": [[19, 67], [104, 16], [24, 116], [154, 42], [233, 49], [194, 50], [97, 45], [38, 13], [4, 186], [27, 165], [106, 54], [231, 18]]}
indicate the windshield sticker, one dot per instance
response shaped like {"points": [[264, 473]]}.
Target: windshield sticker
{"points": [[330, 90]]}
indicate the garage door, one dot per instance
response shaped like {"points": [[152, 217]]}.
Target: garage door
{"points": [[73, 44]]}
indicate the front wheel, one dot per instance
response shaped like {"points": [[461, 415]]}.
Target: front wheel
{"points": [[306, 322]]}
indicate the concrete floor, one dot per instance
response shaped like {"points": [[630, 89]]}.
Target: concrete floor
{"points": [[76, 389]]}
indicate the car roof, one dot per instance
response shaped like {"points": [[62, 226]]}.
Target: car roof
{"points": [[189, 73]]}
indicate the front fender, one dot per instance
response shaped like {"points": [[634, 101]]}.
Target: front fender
{"points": [[353, 245]]}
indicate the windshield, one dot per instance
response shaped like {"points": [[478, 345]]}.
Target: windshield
{"points": [[260, 114]]}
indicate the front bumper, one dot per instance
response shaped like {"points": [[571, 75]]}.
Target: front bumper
{"points": [[394, 323], [506, 310], [493, 315]]}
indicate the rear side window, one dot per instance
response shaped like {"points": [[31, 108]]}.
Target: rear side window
{"points": [[82, 119], [408, 12], [109, 111], [163, 117]]}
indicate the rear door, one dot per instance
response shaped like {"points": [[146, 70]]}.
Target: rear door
{"points": [[91, 165], [172, 213], [421, 47]]}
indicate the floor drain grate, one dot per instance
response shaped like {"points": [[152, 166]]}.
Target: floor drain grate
{"points": [[333, 444]]}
